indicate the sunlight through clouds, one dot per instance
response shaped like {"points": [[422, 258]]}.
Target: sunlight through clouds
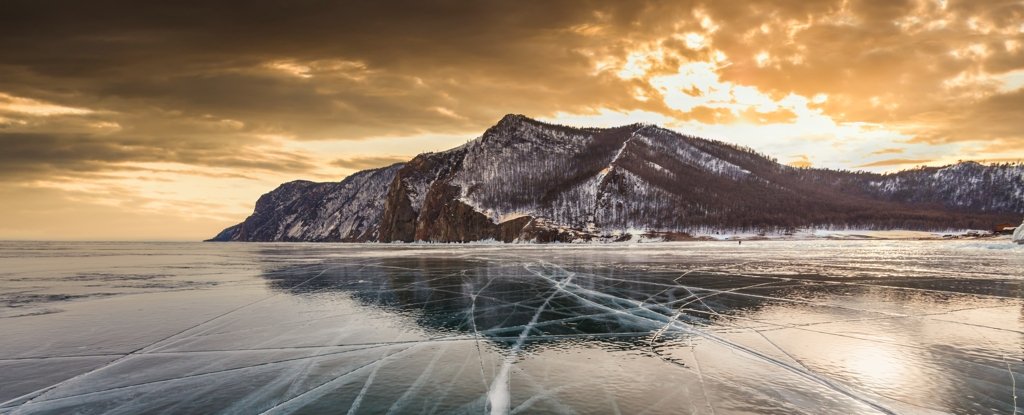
{"points": [[91, 96], [697, 86], [32, 107]]}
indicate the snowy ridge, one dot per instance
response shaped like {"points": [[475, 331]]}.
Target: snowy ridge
{"points": [[520, 151], [667, 141], [966, 185]]}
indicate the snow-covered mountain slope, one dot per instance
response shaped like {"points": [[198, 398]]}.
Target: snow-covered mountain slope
{"points": [[967, 185], [349, 210], [523, 167], [528, 180]]}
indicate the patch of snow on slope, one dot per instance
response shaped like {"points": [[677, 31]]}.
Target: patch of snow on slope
{"points": [[668, 142]]}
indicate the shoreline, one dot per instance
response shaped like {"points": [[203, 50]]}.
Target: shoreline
{"points": [[725, 238]]}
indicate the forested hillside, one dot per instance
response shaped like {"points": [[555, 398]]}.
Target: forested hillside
{"points": [[527, 180]]}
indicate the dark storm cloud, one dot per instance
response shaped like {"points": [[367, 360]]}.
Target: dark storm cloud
{"points": [[304, 69], [200, 82], [206, 57], [28, 155]]}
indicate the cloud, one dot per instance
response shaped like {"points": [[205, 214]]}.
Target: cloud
{"points": [[283, 74], [328, 71], [241, 91], [31, 107], [363, 163], [29, 156], [883, 151], [896, 162], [801, 161]]}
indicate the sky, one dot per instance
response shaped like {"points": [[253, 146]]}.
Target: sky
{"points": [[166, 120]]}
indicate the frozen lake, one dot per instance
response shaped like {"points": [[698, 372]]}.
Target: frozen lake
{"points": [[782, 327]]}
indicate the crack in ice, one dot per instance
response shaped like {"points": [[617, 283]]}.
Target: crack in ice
{"points": [[499, 395]]}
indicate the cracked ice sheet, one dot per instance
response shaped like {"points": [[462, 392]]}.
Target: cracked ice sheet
{"points": [[767, 327]]}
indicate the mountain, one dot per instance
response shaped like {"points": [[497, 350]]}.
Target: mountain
{"points": [[531, 181], [347, 211]]}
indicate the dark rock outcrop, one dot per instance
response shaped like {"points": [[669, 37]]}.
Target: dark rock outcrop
{"points": [[410, 190]]}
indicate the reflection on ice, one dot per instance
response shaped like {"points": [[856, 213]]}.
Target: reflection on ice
{"points": [[772, 327]]}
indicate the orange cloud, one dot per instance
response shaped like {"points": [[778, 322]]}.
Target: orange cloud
{"points": [[836, 81], [894, 150], [896, 162], [801, 161]]}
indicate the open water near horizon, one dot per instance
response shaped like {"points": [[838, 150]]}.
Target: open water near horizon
{"points": [[780, 327]]}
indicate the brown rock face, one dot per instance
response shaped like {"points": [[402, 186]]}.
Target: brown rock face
{"points": [[437, 215], [512, 230], [446, 219], [398, 223], [401, 212]]}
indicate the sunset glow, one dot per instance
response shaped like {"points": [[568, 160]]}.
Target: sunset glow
{"points": [[176, 124]]}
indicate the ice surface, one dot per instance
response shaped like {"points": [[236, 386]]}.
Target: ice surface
{"points": [[812, 326]]}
